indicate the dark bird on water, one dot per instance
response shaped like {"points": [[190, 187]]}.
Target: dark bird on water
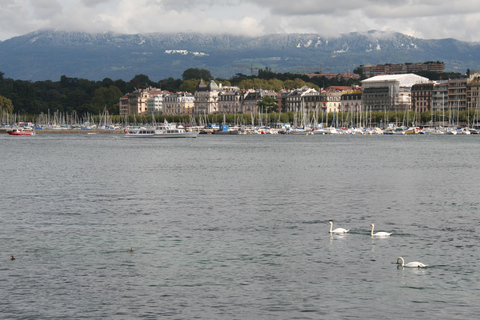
{"points": [[12, 258], [131, 250]]}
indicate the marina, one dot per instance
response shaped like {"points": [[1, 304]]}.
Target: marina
{"points": [[173, 130]]}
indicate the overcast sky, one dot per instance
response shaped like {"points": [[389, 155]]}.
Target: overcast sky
{"points": [[428, 19]]}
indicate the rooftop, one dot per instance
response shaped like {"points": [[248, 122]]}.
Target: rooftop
{"points": [[405, 80]]}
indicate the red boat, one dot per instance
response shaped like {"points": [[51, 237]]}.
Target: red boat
{"points": [[21, 132]]}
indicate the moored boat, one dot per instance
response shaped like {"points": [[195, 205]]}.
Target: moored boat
{"points": [[162, 131], [21, 132]]}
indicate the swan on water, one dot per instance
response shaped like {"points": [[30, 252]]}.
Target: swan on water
{"points": [[337, 230], [414, 264], [378, 234]]}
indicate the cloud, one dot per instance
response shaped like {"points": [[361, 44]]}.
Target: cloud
{"points": [[421, 18], [46, 9], [93, 3]]}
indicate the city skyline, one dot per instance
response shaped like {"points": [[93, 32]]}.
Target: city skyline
{"points": [[422, 19]]}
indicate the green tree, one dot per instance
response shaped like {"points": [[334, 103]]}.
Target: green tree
{"points": [[268, 104], [107, 98], [194, 73], [275, 85], [6, 104], [141, 81], [170, 84], [189, 85]]}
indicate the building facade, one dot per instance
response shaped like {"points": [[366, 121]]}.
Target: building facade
{"points": [[422, 96], [473, 91], [401, 68], [155, 104], [389, 92], [230, 100], [206, 98], [457, 93], [123, 106], [180, 103], [304, 99], [351, 101], [440, 96], [251, 98]]}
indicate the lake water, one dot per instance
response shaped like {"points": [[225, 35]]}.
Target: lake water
{"points": [[236, 227]]}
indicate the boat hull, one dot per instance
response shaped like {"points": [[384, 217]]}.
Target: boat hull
{"points": [[163, 135], [20, 132]]}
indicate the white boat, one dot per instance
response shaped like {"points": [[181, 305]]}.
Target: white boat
{"points": [[328, 130], [162, 131], [464, 131], [451, 131]]}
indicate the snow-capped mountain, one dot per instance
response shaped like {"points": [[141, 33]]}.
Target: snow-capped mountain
{"points": [[49, 54]]}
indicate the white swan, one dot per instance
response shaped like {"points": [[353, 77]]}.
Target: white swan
{"points": [[414, 264], [338, 230], [378, 234]]}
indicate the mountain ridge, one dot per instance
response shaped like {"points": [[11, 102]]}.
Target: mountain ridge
{"points": [[48, 54]]}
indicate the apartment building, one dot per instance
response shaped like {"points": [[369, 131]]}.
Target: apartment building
{"points": [[138, 100], [422, 96], [206, 98], [252, 97], [155, 104], [351, 100], [440, 96], [123, 106], [401, 68], [179, 103], [473, 91], [457, 93], [304, 99], [230, 100]]}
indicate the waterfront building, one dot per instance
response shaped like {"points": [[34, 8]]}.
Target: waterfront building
{"points": [[473, 91], [457, 93], [155, 103], [179, 103], [332, 98], [304, 99], [389, 92], [422, 94], [351, 100], [123, 105], [206, 98], [137, 100], [252, 97], [230, 100], [440, 96], [282, 100]]}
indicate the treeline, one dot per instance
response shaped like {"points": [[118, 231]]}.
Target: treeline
{"points": [[82, 96]]}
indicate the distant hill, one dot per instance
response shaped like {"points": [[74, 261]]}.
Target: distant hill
{"points": [[46, 55]]}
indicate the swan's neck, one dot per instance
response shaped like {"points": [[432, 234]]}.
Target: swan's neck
{"points": [[372, 231], [331, 226]]}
